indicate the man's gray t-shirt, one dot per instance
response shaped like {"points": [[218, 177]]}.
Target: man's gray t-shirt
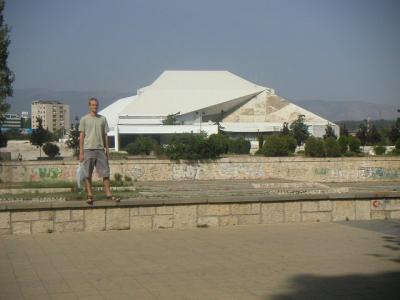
{"points": [[94, 128]]}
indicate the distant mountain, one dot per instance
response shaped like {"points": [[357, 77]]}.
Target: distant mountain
{"points": [[350, 110], [22, 99], [331, 110]]}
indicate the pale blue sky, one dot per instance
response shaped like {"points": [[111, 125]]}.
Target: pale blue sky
{"points": [[305, 49]]}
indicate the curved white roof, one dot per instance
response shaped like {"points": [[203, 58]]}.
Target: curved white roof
{"points": [[189, 91], [112, 111]]}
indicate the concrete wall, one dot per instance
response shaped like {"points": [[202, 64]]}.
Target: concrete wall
{"points": [[239, 167], [62, 218]]}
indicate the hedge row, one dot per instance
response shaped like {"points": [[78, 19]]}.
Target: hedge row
{"points": [[191, 146], [330, 147]]}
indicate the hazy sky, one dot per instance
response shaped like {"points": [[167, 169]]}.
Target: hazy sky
{"points": [[304, 49]]}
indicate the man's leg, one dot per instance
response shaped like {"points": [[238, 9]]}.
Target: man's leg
{"points": [[107, 186], [88, 165], [103, 169], [89, 190]]}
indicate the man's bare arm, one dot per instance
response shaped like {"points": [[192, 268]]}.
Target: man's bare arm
{"points": [[105, 142], [81, 143]]}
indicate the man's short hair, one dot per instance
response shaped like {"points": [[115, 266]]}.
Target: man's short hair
{"points": [[93, 99]]}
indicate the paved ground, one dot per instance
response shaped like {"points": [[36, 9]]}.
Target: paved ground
{"points": [[256, 187], [350, 260]]}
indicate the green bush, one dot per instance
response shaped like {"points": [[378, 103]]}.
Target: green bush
{"points": [[301, 153], [354, 144], [3, 139], [51, 150], [276, 145], [343, 142], [379, 150], [142, 145], [314, 147], [397, 145], [394, 152], [350, 154], [188, 146], [117, 180], [332, 147], [219, 144], [239, 146]]}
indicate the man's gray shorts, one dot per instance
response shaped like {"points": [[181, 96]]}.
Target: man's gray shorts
{"points": [[95, 157]]}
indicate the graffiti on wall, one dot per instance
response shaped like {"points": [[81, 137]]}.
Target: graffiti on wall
{"points": [[48, 173], [137, 172], [378, 172], [246, 171], [362, 172], [329, 172], [184, 171], [321, 171]]}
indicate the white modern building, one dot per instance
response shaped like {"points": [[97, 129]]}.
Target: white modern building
{"points": [[200, 99]]}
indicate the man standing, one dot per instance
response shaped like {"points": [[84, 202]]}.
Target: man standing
{"points": [[94, 150]]}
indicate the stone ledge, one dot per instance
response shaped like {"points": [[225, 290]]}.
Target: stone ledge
{"points": [[109, 216], [187, 201]]}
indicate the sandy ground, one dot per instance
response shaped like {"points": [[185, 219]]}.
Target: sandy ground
{"points": [[30, 152]]}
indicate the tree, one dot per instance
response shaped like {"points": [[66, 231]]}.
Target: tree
{"points": [[373, 135], [394, 134], [171, 119], [6, 75], [58, 134], [329, 132], [285, 129], [73, 139], [260, 139], [40, 136], [26, 123], [354, 144], [51, 150], [343, 142], [362, 133], [300, 130], [3, 139], [344, 131]]}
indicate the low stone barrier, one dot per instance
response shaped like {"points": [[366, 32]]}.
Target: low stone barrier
{"points": [[185, 213], [341, 169]]}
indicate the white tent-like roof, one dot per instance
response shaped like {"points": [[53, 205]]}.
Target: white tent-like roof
{"points": [[189, 91], [112, 112], [202, 98]]}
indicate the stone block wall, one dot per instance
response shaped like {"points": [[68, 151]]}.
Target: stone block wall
{"points": [[193, 215], [238, 167]]}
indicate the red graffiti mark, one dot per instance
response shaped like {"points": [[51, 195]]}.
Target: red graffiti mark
{"points": [[376, 203]]}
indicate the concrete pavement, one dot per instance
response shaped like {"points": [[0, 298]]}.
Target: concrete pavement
{"points": [[351, 260]]}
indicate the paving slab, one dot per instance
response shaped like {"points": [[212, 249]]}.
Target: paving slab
{"points": [[351, 260]]}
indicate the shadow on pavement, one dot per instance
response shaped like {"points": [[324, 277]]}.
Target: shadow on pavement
{"points": [[391, 237], [393, 243], [355, 286], [375, 286]]}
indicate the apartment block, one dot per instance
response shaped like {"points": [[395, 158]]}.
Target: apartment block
{"points": [[54, 114]]}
